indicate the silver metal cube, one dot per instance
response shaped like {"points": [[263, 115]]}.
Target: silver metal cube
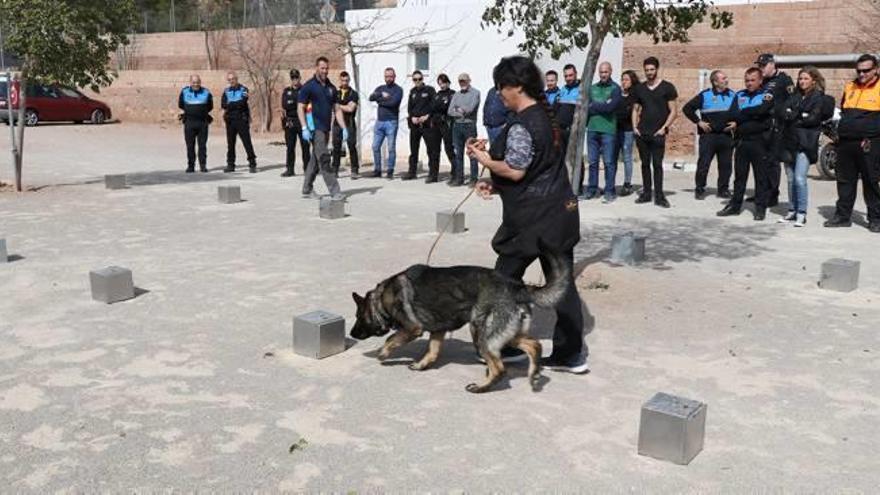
{"points": [[672, 428], [627, 248], [452, 223], [840, 274], [114, 181], [229, 194], [111, 284], [318, 334], [4, 255], [331, 209]]}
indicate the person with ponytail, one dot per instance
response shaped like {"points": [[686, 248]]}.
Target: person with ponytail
{"points": [[540, 212]]}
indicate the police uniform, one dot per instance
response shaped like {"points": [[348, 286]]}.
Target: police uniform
{"points": [[753, 115], [540, 210], [238, 122], [781, 87], [344, 96], [858, 151], [292, 130], [714, 109], [196, 106], [421, 101], [440, 118]]}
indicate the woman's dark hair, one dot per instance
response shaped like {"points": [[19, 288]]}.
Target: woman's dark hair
{"points": [[521, 72], [633, 76], [443, 78]]}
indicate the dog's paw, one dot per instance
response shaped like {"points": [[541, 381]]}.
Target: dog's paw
{"points": [[383, 356], [474, 388], [416, 366]]}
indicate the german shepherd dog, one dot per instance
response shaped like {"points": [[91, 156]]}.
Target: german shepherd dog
{"points": [[439, 300]]}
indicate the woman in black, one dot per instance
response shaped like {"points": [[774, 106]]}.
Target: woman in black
{"points": [[539, 208], [625, 136], [439, 114]]}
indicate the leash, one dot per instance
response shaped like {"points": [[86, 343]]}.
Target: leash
{"points": [[451, 218]]}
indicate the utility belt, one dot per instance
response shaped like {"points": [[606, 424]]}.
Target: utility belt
{"points": [[290, 123], [192, 119]]}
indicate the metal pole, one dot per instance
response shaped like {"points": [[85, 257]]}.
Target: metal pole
{"points": [[2, 51], [173, 20], [11, 122]]}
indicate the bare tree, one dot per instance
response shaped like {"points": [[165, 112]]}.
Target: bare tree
{"points": [[211, 14], [261, 51]]}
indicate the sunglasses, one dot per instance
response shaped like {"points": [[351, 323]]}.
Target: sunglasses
{"points": [[417, 79], [864, 71]]}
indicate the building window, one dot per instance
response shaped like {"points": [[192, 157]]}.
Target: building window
{"points": [[421, 57]]}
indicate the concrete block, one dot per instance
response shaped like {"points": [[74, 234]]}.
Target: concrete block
{"points": [[4, 255], [627, 248], [229, 194], [114, 181], [318, 334], [672, 428], [840, 274], [111, 284], [331, 209], [452, 223]]}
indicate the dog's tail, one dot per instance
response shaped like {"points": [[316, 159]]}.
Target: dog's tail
{"points": [[558, 279]]}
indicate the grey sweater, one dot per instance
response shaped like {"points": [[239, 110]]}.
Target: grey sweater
{"points": [[464, 105]]}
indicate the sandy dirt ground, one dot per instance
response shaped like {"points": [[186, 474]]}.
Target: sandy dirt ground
{"points": [[193, 384]]}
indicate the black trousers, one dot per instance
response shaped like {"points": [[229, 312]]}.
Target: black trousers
{"points": [[854, 161], [291, 136], [774, 164], [196, 132], [352, 149], [568, 336], [651, 151], [719, 147], [754, 154], [446, 137], [432, 138], [239, 128]]}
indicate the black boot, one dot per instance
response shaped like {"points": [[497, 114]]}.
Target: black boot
{"points": [[288, 173]]}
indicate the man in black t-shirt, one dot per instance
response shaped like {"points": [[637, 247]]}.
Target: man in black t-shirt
{"points": [[653, 113], [347, 99]]}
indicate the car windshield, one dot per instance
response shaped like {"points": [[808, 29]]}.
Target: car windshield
{"points": [[2, 90], [69, 93]]}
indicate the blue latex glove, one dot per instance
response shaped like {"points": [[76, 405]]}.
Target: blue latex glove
{"points": [[306, 135], [345, 134]]}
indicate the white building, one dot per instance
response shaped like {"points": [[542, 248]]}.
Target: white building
{"points": [[454, 42]]}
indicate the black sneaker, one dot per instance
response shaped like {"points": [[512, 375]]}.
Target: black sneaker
{"points": [[700, 194], [874, 227], [377, 174], [728, 211], [626, 190], [725, 194], [252, 169], [229, 169], [287, 173], [190, 170], [430, 179], [838, 222], [643, 198], [203, 169], [760, 214], [576, 364], [390, 175], [409, 176], [662, 202]]}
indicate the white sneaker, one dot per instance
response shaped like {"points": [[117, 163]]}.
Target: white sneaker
{"points": [[801, 220], [788, 218]]}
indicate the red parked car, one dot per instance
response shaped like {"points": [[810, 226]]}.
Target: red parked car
{"points": [[53, 103]]}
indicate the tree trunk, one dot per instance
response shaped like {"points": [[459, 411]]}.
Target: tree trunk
{"points": [[579, 125], [208, 51], [19, 153]]}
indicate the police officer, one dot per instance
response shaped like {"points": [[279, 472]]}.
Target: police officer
{"points": [[539, 209], [347, 99], [440, 115], [858, 151], [421, 126], [752, 122], [292, 125], [196, 103], [779, 86], [238, 122], [713, 106]]}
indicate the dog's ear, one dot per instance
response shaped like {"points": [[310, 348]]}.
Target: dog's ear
{"points": [[357, 299]]}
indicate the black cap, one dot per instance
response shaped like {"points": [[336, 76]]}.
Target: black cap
{"points": [[764, 59], [294, 74]]}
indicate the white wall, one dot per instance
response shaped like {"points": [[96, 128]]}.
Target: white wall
{"points": [[464, 47]]}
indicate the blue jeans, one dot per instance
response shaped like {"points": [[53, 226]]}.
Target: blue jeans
{"points": [[625, 142], [797, 183], [385, 129], [604, 145], [494, 132], [461, 131]]}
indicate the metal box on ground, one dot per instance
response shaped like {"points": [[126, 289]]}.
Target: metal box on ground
{"points": [[114, 181], [453, 223], [840, 274], [318, 334], [672, 428], [111, 284], [4, 255], [331, 209], [229, 194], [627, 248]]}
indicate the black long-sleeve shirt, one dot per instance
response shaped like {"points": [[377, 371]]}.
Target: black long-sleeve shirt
{"points": [[289, 103], [421, 102], [440, 108], [196, 105], [235, 102]]}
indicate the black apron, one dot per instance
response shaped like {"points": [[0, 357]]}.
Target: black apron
{"points": [[541, 207]]}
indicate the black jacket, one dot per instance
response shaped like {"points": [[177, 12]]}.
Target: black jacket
{"points": [[624, 112], [196, 105], [290, 103], [235, 102], [781, 87], [440, 108], [421, 103], [754, 118], [802, 120]]}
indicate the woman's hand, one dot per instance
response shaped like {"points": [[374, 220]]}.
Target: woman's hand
{"points": [[484, 188]]}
